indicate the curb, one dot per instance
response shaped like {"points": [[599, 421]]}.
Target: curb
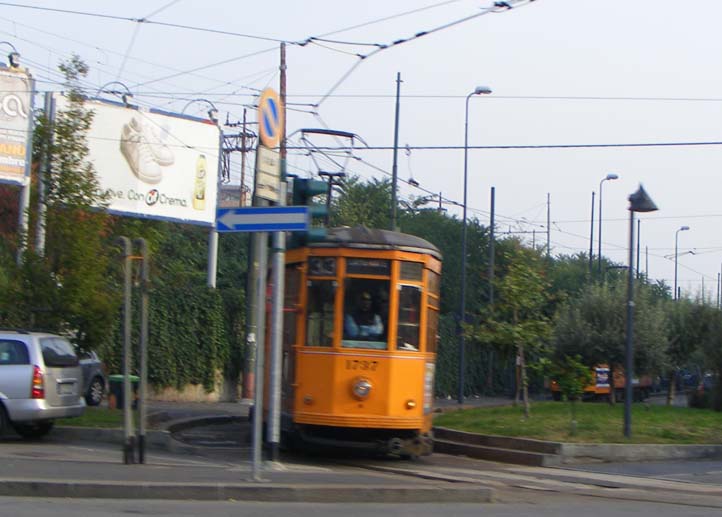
{"points": [[526, 451], [261, 492]]}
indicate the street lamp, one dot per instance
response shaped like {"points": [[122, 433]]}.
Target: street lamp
{"points": [[676, 255], [212, 112], [479, 90], [13, 56], [638, 202], [610, 176]]}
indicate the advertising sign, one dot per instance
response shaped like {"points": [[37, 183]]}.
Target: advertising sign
{"points": [[15, 120], [154, 164]]}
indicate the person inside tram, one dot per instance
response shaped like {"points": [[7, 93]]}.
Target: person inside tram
{"points": [[364, 322]]}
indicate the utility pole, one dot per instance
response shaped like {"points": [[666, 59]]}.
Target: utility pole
{"points": [[491, 246], [242, 198], [395, 168], [591, 239], [549, 211], [44, 171]]}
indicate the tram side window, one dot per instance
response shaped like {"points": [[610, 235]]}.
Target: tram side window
{"points": [[321, 295], [366, 313], [432, 330], [409, 316]]}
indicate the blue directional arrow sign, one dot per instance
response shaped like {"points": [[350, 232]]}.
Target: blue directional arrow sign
{"points": [[263, 219]]}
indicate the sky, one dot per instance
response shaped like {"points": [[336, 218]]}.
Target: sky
{"points": [[580, 83]]}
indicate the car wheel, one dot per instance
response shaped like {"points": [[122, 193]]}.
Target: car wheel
{"points": [[96, 390], [33, 430], [4, 421]]}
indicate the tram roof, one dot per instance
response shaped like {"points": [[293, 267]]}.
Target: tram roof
{"points": [[363, 237]]}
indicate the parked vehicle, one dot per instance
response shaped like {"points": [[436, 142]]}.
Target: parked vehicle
{"points": [[40, 381], [95, 382], [600, 389]]}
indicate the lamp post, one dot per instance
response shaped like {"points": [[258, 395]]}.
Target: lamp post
{"points": [[610, 176], [676, 247], [479, 90], [638, 202]]}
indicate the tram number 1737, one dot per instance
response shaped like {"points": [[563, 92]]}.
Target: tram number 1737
{"points": [[359, 364]]}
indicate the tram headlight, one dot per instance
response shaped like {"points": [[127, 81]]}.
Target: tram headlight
{"points": [[410, 404], [361, 388]]}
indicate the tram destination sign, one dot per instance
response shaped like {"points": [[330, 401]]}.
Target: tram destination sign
{"points": [[263, 219]]}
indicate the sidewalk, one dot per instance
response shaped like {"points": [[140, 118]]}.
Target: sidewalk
{"points": [[79, 462], [56, 468]]}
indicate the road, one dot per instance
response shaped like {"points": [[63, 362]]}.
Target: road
{"points": [[547, 506]]}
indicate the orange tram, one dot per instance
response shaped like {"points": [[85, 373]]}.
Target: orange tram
{"points": [[361, 313]]}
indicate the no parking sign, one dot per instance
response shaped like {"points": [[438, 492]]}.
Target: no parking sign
{"points": [[270, 118]]}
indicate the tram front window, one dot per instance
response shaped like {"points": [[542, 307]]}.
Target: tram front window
{"points": [[366, 313], [321, 295]]}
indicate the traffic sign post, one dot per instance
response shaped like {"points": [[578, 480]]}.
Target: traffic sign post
{"points": [[263, 219]]}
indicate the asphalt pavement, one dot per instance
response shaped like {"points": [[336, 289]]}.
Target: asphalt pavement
{"points": [[211, 460]]}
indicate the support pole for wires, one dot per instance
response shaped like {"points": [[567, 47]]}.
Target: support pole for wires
{"points": [[492, 243], [549, 216], [394, 169], [591, 239]]}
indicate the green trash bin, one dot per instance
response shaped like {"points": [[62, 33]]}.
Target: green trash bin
{"points": [[116, 399]]}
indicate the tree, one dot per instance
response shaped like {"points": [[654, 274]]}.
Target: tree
{"points": [[517, 320], [572, 376], [67, 288], [592, 325], [360, 202]]}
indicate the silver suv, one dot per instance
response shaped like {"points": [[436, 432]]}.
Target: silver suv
{"points": [[40, 380]]}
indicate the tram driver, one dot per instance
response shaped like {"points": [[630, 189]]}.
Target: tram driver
{"points": [[364, 322]]}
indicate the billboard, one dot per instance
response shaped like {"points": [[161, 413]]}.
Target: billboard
{"points": [[154, 164], [15, 120]]}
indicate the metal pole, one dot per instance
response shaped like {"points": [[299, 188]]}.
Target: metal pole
{"points": [[591, 239], [629, 360], [599, 249], [143, 388], [212, 258], [639, 239], [128, 438], [213, 236], [279, 279], [394, 168], [24, 204], [549, 212], [276, 338], [462, 308], [261, 252], [44, 171], [676, 240], [242, 199], [492, 242]]}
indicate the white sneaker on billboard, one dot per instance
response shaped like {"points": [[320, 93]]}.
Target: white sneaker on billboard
{"points": [[137, 152], [161, 152]]}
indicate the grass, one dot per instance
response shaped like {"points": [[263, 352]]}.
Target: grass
{"points": [[596, 423], [96, 417]]}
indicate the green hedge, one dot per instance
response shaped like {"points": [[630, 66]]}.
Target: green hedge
{"points": [[189, 341]]}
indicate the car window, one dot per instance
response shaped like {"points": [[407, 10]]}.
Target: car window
{"points": [[13, 352], [58, 352]]}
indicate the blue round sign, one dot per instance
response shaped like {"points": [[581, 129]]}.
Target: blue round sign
{"points": [[270, 118]]}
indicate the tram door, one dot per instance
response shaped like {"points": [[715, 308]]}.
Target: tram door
{"points": [[291, 321]]}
